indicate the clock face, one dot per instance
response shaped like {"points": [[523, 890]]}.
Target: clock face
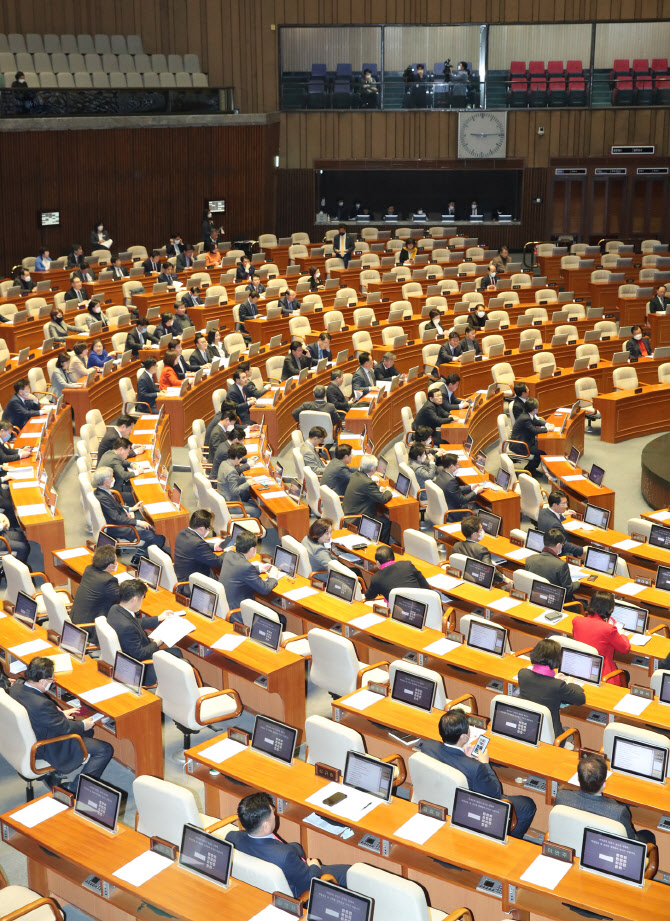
{"points": [[482, 135]]}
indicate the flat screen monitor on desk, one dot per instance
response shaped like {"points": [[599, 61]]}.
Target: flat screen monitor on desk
{"points": [[630, 617], [25, 609], [369, 528], [448, 218], [149, 572], [328, 902], [487, 637], [503, 479], [490, 522], [382, 466], [97, 802], [265, 631], [664, 696], [73, 640], [414, 690], [402, 484], [547, 595], [480, 815], [573, 456], [369, 775], [341, 586], [286, 561], [479, 573], [659, 537], [106, 540], [515, 722], [504, 218], [476, 218], [129, 671], [585, 667], [640, 759], [598, 517], [274, 739], [534, 540], [613, 857], [363, 218], [663, 578], [410, 612], [203, 601], [596, 475], [602, 561], [206, 855]]}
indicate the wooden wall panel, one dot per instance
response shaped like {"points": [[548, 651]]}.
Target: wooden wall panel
{"points": [[430, 44], [296, 201], [630, 40], [544, 43]]}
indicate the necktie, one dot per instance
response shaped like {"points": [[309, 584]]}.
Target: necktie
{"points": [[79, 296]]}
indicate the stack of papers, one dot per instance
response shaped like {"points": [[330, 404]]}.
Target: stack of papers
{"points": [[419, 829], [441, 647], [172, 630], [350, 540], [37, 812], [228, 642], [546, 872], [520, 554], [444, 583], [333, 828], [143, 868], [25, 511], [221, 751], [363, 699], [366, 620]]}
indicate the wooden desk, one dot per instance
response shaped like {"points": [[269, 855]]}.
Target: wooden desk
{"points": [[14, 371], [102, 394], [580, 492], [89, 338], [632, 310], [660, 329], [627, 414]]}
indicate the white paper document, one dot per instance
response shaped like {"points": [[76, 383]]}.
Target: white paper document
{"points": [[504, 604], [573, 477], [142, 868], [222, 750], [630, 588], [576, 525], [444, 583], [660, 516], [71, 554], [270, 913], [354, 807], [275, 494], [17, 667], [37, 812], [363, 699], [576, 572], [24, 649], [172, 630], [639, 639], [25, 473], [62, 662], [419, 828], [26, 484], [228, 642], [546, 872], [441, 647], [173, 391], [350, 540], [542, 618], [553, 459], [366, 620], [632, 705], [144, 431], [25, 511], [627, 544], [467, 471], [520, 554], [158, 508], [104, 692], [453, 528], [297, 594], [574, 780]]}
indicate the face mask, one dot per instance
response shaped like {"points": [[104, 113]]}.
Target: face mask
{"points": [[27, 277], [99, 226], [209, 214], [50, 684], [96, 310], [480, 536], [481, 313], [5, 436], [637, 336], [229, 428]]}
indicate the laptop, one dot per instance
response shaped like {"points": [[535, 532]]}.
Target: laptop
{"points": [[286, 562], [599, 560], [275, 739], [659, 537], [150, 573], [328, 902], [487, 637], [341, 586], [128, 671], [369, 775], [517, 723], [407, 611], [639, 759], [414, 690], [73, 640], [203, 601], [597, 517], [479, 573], [613, 857], [206, 855], [490, 522], [97, 802], [265, 631], [25, 610], [480, 815], [596, 475], [369, 529], [630, 617], [584, 667], [402, 484]]}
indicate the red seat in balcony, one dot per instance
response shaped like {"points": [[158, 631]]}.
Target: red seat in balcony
{"points": [[641, 67], [622, 94], [536, 69], [574, 69], [557, 94], [518, 94], [644, 91], [555, 69], [538, 93], [659, 66], [517, 69], [576, 91]]}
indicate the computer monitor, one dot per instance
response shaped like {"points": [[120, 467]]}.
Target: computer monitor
{"points": [[73, 640], [479, 573], [573, 456], [515, 722], [601, 561], [664, 696], [97, 802], [612, 856], [149, 572], [341, 586], [105, 540], [547, 595], [410, 612], [129, 671], [480, 460], [503, 478], [206, 855], [584, 666], [25, 609], [630, 756], [663, 578], [598, 517], [630, 617], [413, 690], [278, 473], [286, 561], [328, 902], [480, 815], [535, 540], [596, 475], [490, 522], [659, 537], [274, 739], [382, 466], [467, 444], [369, 528], [368, 774], [265, 631], [402, 484], [203, 601], [487, 637]]}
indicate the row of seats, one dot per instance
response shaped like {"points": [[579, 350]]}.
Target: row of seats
{"points": [[640, 68], [85, 80], [69, 44], [641, 91], [58, 62], [537, 70]]}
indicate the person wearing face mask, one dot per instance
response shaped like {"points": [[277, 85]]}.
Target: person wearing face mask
{"points": [[490, 280], [477, 319], [19, 81], [100, 236], [95, 314], [315, 279], [317, 544], [140, 337], [98, 590], [21, 406], [638, 345], [61, 377], [58, 328], [526, 428], [207, 226], [7, 453], [470, 343], [473, 532], [435, 322], [48, 721], [25, 282], [192, 552], [340, 212], [175, 246], [422, 464], [43, 261]]}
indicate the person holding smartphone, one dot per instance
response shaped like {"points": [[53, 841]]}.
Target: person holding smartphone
{"points": [[471, 758]]}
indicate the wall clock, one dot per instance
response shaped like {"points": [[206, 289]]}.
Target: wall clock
{"points": [[482, 135]]}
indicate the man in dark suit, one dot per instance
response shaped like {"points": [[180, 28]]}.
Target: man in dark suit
{"points": [[248, 310], [592, 775], [491, 279], [167, 276], [240, 577], [147, 388], [123, 618], [139, 337], [343, 244], [334, 393], [180, 367], [457, 495], [520, 398], [553, 515], [235, 436], [244, 395], [321, 348], [175, 247], [75, 258], [118, 270], [340, 211], [7, 453], [549, 564], [76, 292], [116, 515], [98, 589], [48, 721], [450, 385], [25, 282], [455, 750], [244, 270], [451, 349], [638, 346], [290, 305], [122, 428], [185, 259], [364, 376], [257, 817], [152, 265], [433, 414], [21, 407], [659, 302], [472, 530], [543, 686], [391, 574], [470, 342], [386, 370], [363, 495], [199, 356], [319, 405], [295, 361], [192, 553], [117, 459], [526, 428], [338, 472], [86, 273], [222, 424]]}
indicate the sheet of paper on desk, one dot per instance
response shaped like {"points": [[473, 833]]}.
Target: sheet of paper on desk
{"points": [[554, 459], [275, 494], [145, 480], [158, 508], [639, 639], [297, 594], [627, 544], [104, 692], [354, 807], [62, 662], [362, 699], [366, 620], [451, 528], [17, 667], [349, 540], [37, 812], [144, 431], [504, 604], [419, 828], [563, 409], [122, 576], [146, 417], [576, 572], [228, 642], [660, 516], [264, 402], [172, 630], [318, 821], [574, 780], [25, 649], [73, 552], [30, 436], [270, 913], [25, 511], [546, 872], [173, 391], [577, 526], [142, 868], [520, 554], [574, 476], [222, 750], [632, 705], [467, 471], [444, 582], [26, 484], [441, 647], [630, 588], [22, 473]]}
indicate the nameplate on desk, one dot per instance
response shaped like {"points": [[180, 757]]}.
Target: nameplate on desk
{"points": [[637, 389], [637, 690], [455, 637], [640, 538], [239, 735], [433, 811], [517, 541], [452, 571], [287, 903], [640, 580], [327, 772], [538, 347], [163, 847], [62, 796], [105, 668], [517, 594], [479, 722], [380, 609], [242, 629], [558, 852], [377, 687]]}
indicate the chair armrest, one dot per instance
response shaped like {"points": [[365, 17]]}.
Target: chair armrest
{"points": [[275, 380], [514, 448], [42, 902], [128, 543], [461, 700], [523, 652], [400, 774], [448, 619], [230, 820], [232, 611], [576, 607], [662, 628], [6, 543], [512, 815], [237, 506], [328, 877], [369, 668], [347, 522], [67, 592], [293, 639], [652, 863], [615, 673], [577, 739], [460, 914], [43, 393], [65, 738], [227, 692]]}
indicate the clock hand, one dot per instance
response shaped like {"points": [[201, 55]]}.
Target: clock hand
{"points": [[490, 134]]}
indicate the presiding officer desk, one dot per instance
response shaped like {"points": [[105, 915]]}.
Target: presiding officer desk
{"points": [[629, 414]]}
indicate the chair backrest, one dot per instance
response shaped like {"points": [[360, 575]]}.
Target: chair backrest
{"points": [[394, 897], [547, 731], [423, 596], [523, 579], [568, 642], [540, 359], [177, 687], [362, 341], [588, 350], [436, 507], [566, 826], [625, 378], [422, 546], [328, 742], [418, 670], [434, 781], [489, 341], [606, 327], [467, 619], [17, 736], [257, 873], [18, 578], [586, 388], [212, 585], [312, 494], [54, 603], [531, 497], [108, 639], [331, 507], [618, 730], [290, 543], [334, 663], [163, 808], [168, 578], [503, 373]]}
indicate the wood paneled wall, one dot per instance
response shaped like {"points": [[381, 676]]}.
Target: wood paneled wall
{"points": [[144, 183], [631, 40], [430, 44], [539, 43]]}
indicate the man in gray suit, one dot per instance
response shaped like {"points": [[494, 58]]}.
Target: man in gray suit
{"points": [[592, 774], [472, 530], [338, 472], [318, 405], [241, 578], [231, 484], [308, 450], [549, 565], [553, 515], [117, 459], [362, 496]]}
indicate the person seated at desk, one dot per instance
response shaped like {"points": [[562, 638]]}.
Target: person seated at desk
{"points": [[25, 282], [321, 348], [75, 258], [344, 244], [421, 463], [451, 350], [549, 564], [420, 215], [169, 377], [121, 428], [392, 573], [658, 304], [500, 261], [334, 393], [309, 450], [213, 256], [256, 814], [363, 495], [527, 427], [181, 369], [473, 208], [117, 268], [408, 253], [490, 280], [182, 321], [215, 347], [99, 355], [369, 94], [117, 459], [9, 454], [100, 237], [592, 775], [289, 304], [85, 273], [77, 293], [175, 247], [244, 270], [451, 209], [58, 328], [319, 405], [638, 346], [123, 618], [231, 484], [386, 370], [597, 629], [434, 414], [140, 338], [455, 750], [152, 265], [192, 552], [247, 311], [521, 396], [165, 327], [472, 530], [221, 426], [43, 260], [364, 379], [470, 342], [167, 276], [61, 376], [18, 543], [235, 436], [94, 314], [255, 285], [315, 280], [48, 721], [317, 544], [450, 385], [297, 359], [456, 494], [435, 322], [241, 578], [147, 388], [542, 685], [338, 471], [552, 515], [199, 356], [391, 212], [244, 395], [185, 259], [98, 589], [79, 359], [21, 407]]}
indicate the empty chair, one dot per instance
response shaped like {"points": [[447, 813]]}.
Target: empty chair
{"points": [[83, 80], [167, 80], [543, 359], [503, 375], [624, 378], [191, 63], [328, 742], [533, 334], [588, 350], [537, 313], [488, 342], [335, 666], [163, 808], [394, 896]]}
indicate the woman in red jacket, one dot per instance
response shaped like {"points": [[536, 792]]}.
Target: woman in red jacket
{"points": [[604, 634], [168, 376]]}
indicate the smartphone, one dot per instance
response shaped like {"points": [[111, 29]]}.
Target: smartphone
{"points": [[334, 799], [480, 745]]}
